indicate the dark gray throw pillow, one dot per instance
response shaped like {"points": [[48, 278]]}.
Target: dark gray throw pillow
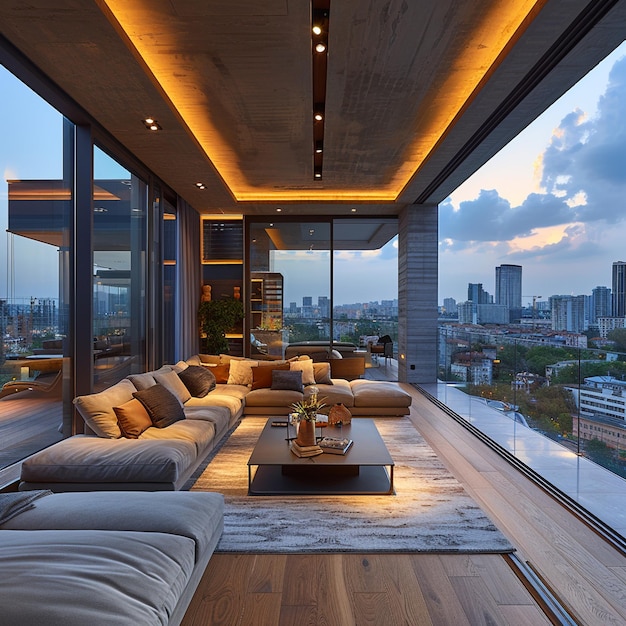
{"points": [[284, 380], [198, 379], [162, 405]]}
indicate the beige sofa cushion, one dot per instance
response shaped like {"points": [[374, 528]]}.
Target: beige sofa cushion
{"points": [[378, 393], [272, 398], [339, 391], [306, 367], [240, 372], [97, 408]]}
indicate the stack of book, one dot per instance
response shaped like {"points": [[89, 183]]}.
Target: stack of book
{"points": [[335, 446], [304, 451]]}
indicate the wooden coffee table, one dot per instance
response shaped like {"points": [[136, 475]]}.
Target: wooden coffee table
{"points": [[366, 469]]}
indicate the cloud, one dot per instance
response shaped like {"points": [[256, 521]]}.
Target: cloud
{"points": [[583, 178], [587, 155], [491, 217]]}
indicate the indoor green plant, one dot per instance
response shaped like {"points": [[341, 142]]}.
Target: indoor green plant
{"points": [[216, 318]]}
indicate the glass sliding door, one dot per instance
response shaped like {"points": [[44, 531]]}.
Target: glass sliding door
{"points": [[36, 158], [119, 271], [290, 284], [365, 287]]}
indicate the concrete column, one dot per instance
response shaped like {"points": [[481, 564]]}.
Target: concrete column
{"points": [[417, 293]]}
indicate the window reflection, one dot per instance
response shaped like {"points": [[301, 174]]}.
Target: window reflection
{"points": [[119, 243], [35, 212]]}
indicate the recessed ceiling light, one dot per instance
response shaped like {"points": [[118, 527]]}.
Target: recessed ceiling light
{"points": [[151, 124], [317, 30], [353, 210], [278, 210], [320, 47]]}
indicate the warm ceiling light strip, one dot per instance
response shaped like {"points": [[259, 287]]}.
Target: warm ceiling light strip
{"points": [[320, 10], [502, 24]]}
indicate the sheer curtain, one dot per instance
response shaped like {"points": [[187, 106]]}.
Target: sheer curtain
{"points": [[189, 281]]}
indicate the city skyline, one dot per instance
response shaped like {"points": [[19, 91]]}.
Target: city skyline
{"points": [[528, 299]]}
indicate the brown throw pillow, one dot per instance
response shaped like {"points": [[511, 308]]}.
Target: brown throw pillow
{"points": [[287, 381], [132, 418], [262, 375], [162, 405], [198, 379], [220, 372]]}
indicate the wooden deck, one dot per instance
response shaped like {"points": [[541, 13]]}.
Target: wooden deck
{"points": [[29, 421]]}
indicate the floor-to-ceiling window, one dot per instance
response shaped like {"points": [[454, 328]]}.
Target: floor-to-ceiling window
{"points": [[119, 271], [290, 283], [35, 213], [365, 286], [550, 387], [322, 280]]}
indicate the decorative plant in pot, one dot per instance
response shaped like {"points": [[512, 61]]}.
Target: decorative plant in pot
{"points": [[304, 414], [216, 318]]}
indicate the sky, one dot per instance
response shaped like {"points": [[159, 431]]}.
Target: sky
{"points": [[552, 201]]}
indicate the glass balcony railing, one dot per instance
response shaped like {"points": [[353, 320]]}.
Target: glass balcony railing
{"points": [[560, 410]]}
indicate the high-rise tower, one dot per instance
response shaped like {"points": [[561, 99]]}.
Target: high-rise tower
{"points": [[619, 289], [509, 289], [601, 305]]}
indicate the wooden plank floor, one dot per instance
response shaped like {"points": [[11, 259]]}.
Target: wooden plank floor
{"points": [[360, 589]]}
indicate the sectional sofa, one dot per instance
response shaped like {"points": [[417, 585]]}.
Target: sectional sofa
{"points": [[151, 431], [106, 559]]}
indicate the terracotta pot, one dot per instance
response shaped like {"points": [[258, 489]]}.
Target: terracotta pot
{"points": [[306, 433]]}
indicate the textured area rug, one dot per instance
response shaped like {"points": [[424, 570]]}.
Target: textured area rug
{"points": [[430, 512]]}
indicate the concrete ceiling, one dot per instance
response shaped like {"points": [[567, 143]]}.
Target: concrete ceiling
{"points": [[418, 94]]}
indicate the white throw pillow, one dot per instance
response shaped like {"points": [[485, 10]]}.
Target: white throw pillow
{"points": [[306, 367], [240, 372]]}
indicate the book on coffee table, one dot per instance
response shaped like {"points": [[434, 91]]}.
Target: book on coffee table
{"points": [[304, 451], [332, 445]]}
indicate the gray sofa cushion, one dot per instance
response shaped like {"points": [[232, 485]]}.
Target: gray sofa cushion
{"points": [[92, 577], [142, 381], [196, 515], [97, 408], [172, 382], [83, 459], [218, 415], [198, 432]]}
